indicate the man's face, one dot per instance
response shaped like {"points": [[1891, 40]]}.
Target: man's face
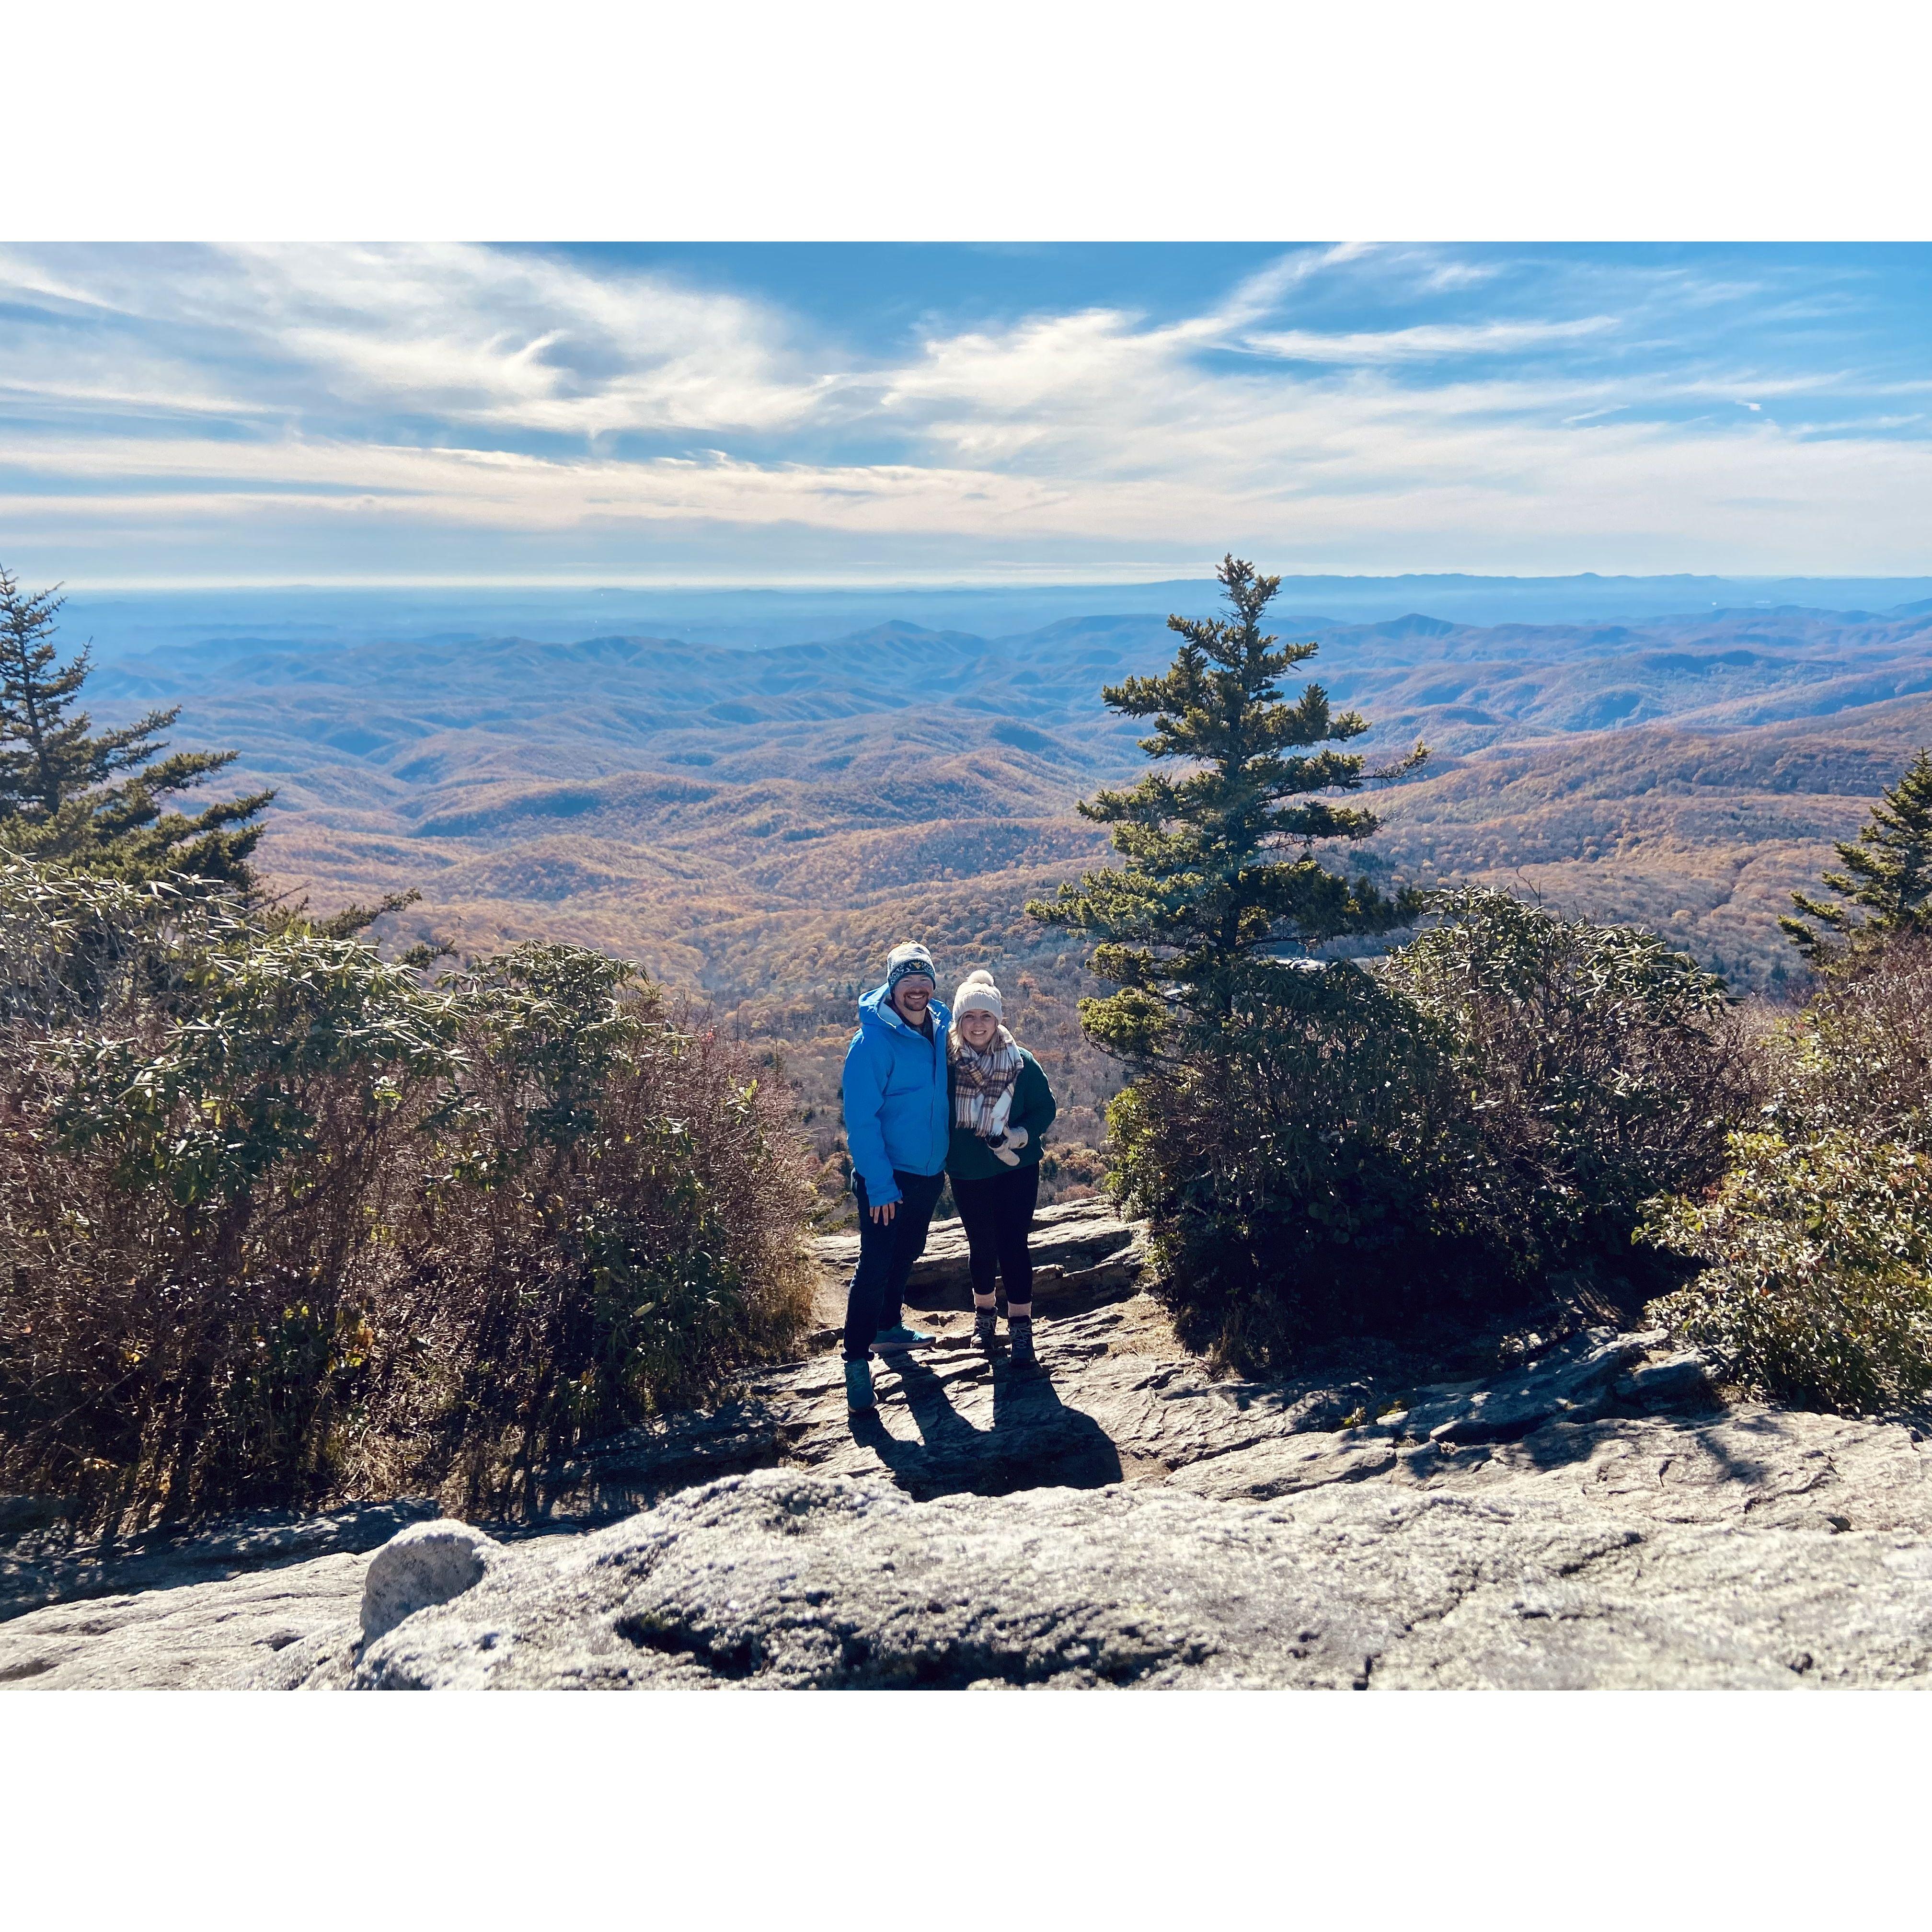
{"points": [[911, 996]]}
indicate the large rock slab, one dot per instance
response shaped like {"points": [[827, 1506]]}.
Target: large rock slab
{"points": [[1115, 1400], [796, 1581], [194, 1637], [1750, 1467], [1577, 1380]]}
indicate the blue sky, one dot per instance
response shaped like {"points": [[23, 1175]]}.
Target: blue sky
{"points": [[798, 413]]}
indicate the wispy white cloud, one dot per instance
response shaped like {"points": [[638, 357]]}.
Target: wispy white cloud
{"points": [[467, 334], [1427, 342], [467, 391], [76, 394]]}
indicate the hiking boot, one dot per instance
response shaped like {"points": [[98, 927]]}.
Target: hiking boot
{"points": [[859, 1396], [1019, 1336], [985, 1328], [899, 1338]]}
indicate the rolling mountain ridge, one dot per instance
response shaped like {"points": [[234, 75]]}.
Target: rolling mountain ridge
{"points": [[760, 825]]}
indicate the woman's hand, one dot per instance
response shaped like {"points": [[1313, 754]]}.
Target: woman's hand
{"points": [[1016, 1137]]}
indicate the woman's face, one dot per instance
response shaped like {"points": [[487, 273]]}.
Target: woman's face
{"points": [[977, 1030]]}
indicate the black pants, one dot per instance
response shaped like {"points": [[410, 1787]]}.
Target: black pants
{"points": [[886, 1252], [997, 1213]]}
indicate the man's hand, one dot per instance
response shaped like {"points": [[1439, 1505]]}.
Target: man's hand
{"points": [[882, 1213]]}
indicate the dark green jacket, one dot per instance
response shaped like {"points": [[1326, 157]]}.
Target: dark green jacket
{"points": [[970, 1158]]}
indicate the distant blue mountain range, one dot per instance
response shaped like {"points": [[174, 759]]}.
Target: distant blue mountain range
{"points": [[123, 623]]}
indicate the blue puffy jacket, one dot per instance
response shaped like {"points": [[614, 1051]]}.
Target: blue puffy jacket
{"points": [[897, 1115]]}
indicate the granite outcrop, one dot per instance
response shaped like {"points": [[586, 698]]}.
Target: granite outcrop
{"points": [[1590, 1512]]}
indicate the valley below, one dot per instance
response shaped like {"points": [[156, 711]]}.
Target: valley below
{"points": [[756, 825]]}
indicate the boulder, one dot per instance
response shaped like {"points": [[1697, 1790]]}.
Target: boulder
{"points": [[427, 1563]]}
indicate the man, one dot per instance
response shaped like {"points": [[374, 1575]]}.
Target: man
{"points": [[898, 1126]]}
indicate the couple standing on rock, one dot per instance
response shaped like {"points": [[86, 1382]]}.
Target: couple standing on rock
{"points": [[930, 1093]]}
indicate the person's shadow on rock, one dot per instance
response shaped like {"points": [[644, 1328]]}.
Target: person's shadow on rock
{"points": [[1036, 1441], [1060, 1447], [947, 1458], [869, 1427]]}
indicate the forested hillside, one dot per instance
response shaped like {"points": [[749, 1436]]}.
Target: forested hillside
{"points": [[761, 825]]}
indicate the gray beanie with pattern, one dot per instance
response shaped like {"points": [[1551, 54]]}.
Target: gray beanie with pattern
{"points": [[903, 961]]}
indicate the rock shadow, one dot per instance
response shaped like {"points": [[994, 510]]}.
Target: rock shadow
{"points": [[1558, 1443], [622, 1474]]}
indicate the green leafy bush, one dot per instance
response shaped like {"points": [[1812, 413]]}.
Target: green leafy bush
{"points": [[1598, 1066], [1375, 1147], [1859, 1056], [1817, 1244], [1288, 1175], [614, 1220], [279, 1220], [1816, 1288]]}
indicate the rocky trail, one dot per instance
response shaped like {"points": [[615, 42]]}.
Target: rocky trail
{"points": [[1592, 1516]]}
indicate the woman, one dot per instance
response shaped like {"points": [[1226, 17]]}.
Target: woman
{"points": [[1001, 1107]]}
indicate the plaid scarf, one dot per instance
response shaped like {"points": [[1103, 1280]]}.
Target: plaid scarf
{"points": [[983, 1083]]}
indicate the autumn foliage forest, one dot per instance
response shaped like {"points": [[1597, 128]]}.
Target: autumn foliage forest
{"points": [[444, 1071]]}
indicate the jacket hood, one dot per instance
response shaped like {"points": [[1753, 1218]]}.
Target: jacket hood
{"points": [[876, 1010]]}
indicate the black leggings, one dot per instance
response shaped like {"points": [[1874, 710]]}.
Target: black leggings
{"points": [[997, 1213]]}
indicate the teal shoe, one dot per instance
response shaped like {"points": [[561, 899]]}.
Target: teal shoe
{"points": [[896, 1339], [858, 1395]]}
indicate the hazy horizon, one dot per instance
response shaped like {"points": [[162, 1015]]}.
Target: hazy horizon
{"points": [[125, 621]]}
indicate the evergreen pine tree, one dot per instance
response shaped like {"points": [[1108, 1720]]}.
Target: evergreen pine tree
{"points": [[1888, 876], [99, 800], [1220, 872]]}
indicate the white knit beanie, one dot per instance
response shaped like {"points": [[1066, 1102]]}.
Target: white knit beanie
{"points": [[978, 994]]}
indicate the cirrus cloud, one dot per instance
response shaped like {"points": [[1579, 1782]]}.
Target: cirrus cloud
{"points": [[1333, 408]]}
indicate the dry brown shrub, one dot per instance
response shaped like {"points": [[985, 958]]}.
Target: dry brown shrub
{"points": [[279, 1222]]}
